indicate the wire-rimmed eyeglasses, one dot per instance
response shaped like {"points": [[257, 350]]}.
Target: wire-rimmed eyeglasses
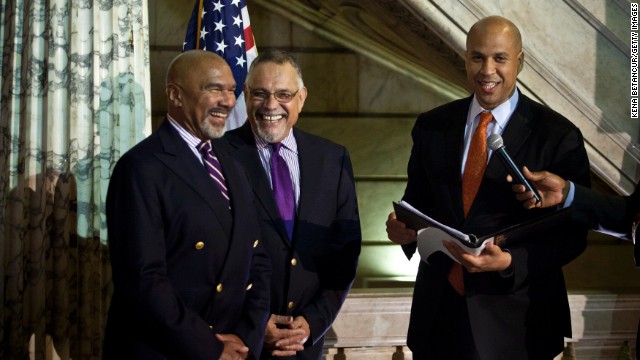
{"points": [[281, 96]]}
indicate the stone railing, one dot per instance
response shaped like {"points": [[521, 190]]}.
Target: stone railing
{"points": [[372, 325]]}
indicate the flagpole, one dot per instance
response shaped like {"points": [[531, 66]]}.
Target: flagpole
{"points": [[199, 24]]}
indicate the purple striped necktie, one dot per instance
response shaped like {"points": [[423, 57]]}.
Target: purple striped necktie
{"points": [[282, 188], [210, 161]]}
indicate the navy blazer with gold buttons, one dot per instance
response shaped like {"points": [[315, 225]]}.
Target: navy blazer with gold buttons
{"points": [[185, 267]]}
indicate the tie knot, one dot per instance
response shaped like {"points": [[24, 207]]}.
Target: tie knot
{"points": [[276, 147], [204, 148], [485, 118]]}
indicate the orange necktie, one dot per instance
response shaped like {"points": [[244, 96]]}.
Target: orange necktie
{"points": [[471, 178]]}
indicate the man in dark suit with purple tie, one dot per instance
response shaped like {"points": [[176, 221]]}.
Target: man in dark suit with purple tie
{"points": [[190, 274], [306, 204]]}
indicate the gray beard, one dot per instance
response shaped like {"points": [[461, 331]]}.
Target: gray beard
{"points": [[212, 132], [268, 137]]}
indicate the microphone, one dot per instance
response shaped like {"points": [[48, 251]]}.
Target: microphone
{"points": [[495, 143]]}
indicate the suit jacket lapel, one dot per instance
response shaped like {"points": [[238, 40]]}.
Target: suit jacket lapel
{"points": [[247, 154], [239, 197], [311, 164], [514, 136], [181, 160], [453, 147]]}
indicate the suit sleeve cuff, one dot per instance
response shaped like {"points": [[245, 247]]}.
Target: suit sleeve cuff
{"points": [[570, 195], [508, 272]]}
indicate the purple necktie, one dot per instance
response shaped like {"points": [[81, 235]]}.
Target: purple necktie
{"points": [[282, 188], [210, 161]]}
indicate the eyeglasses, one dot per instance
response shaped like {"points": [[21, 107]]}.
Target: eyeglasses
{"points": [[281, 96]]}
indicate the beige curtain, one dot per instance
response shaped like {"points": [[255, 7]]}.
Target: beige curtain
{"points": [[74, 96]]}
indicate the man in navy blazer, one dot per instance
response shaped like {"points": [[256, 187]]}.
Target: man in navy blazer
{"points": [[513, 302], [314, 268], [190, 274]]}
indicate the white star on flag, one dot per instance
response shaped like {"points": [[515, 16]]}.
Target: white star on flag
{"points": [[239, 40], [220, 46], [216, 24], [219, 26]]}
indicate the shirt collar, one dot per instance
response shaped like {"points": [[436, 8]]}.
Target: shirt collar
{"points": [[289, 142], [191, 139], [501, 113]]}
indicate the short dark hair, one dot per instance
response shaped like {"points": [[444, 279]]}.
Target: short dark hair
{"points": [[279, 57]]}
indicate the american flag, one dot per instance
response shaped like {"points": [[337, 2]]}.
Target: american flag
{"points": [[223, 26]]}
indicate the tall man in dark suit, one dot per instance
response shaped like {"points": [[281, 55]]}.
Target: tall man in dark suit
{"points": [[307, 209], [190, 274], [510, 301]]}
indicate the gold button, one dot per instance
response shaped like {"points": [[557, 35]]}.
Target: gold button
{"points": [[294, 262], [219, 288], [290, 305], [210, 327], [255, 243], [199, 245], [249, 287]]}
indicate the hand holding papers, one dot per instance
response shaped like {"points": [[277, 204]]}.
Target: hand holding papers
{"points": [[431, 233]]}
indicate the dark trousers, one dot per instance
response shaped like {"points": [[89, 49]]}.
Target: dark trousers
{"points": [[452, 339]]}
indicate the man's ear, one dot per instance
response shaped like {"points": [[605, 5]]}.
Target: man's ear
{"points": [[174, 95], [520, 61], [303, 96]]}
